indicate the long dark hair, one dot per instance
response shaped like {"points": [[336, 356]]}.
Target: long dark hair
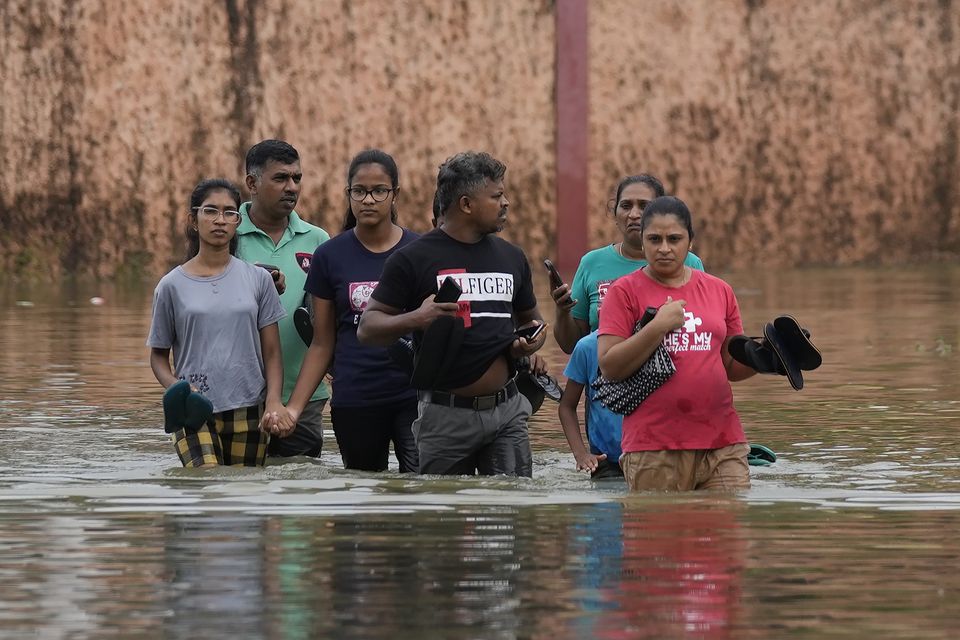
{"points": [[370, 156], [200, 192]]}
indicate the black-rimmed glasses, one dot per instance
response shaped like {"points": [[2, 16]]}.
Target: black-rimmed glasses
{"points": [[230, 216], [358, 194]]}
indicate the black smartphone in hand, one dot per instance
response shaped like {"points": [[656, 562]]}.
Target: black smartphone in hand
{"points": [[530, 333], [270, 268], [449, 291], [648, 315], [555, 280]]}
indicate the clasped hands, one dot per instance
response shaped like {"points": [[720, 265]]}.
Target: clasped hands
{"points": [[278, 420]]}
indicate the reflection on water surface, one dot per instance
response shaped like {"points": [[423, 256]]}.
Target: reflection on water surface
{"points": [[852, 532]]}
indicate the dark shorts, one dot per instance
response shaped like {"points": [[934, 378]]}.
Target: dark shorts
{"points": [[607, 469], [307, 437], [231, 437], [364, 435], [460, 441]]}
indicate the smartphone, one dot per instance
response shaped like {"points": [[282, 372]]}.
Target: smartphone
{"points": [[555, 280], [648, 315], [449, 291], [530, 333], [269, 267]]}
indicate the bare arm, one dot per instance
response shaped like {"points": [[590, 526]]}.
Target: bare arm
{"points": [[275, 420], [620, 357], [570, 422], [317, 360], [568, 331], [160, 364], [272, 364], [381, 325], [736, 371]]}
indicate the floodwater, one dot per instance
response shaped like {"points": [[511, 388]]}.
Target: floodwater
{"points": [[854, 532]]}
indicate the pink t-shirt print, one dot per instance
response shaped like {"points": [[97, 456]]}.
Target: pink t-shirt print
{"points": [[360, 294], [602, 287]]}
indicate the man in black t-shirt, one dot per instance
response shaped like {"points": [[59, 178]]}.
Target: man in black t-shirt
{"points": [[472, 418]]}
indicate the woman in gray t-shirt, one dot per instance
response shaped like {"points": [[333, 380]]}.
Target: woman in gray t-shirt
{"points": [[218, 314]]}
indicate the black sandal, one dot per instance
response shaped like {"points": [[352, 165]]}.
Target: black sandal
{"points": [[302, 321], [783, 355], [303, 325], [754, 354], [797, 341]]}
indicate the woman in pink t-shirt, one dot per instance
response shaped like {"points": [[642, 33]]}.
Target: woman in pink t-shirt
{"points": [[685, 435]]}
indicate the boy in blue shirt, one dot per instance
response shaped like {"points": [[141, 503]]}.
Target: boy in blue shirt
{"points": [[603, 427]]}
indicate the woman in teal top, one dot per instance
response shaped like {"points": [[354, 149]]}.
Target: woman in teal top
{"points": [[578, 306]]}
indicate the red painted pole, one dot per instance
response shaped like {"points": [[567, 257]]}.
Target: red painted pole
{"points": [[573, 109]]}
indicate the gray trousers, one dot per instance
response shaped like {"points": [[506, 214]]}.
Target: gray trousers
{"points": [[454, 441]]}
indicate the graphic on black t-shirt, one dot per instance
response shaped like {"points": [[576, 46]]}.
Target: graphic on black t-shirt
{"points": [[463, 310], [359, 296], [488, 286], [496, 286]]}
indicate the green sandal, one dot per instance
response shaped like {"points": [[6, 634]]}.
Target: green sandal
{"points": [[184, 408], [760, 456]]}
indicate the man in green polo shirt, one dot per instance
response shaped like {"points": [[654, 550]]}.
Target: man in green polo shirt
{"points": [[271, 232]]}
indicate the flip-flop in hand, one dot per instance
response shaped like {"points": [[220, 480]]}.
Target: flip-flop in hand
{"points": [[185, 408]]}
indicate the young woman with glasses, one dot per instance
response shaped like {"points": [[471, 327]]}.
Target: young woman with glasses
{"points": [[218, 314], [372, 403]]}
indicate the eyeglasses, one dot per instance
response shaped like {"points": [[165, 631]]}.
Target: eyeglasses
{"points": [[358, 194], [230, 216]]}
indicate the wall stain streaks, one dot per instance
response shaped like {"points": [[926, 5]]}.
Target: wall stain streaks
{"points": [[802, 134]]}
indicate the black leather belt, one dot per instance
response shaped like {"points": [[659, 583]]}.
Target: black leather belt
{"points": [[477, 403]]}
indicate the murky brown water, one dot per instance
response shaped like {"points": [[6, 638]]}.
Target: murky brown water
{"points": [[852, 533]]}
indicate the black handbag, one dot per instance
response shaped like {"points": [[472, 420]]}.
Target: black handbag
{"points": [[624, 396]]}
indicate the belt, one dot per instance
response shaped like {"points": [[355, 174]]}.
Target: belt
{"points": [[477, 403]]}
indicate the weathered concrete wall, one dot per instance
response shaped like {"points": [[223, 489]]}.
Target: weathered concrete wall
{"points": [[799, 133], [112, 112], [818, 132]]}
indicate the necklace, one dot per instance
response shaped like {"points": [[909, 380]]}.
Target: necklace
{"points": [[619, 247]]}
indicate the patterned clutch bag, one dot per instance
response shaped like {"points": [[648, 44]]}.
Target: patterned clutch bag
{"points": [[624, 396]]}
